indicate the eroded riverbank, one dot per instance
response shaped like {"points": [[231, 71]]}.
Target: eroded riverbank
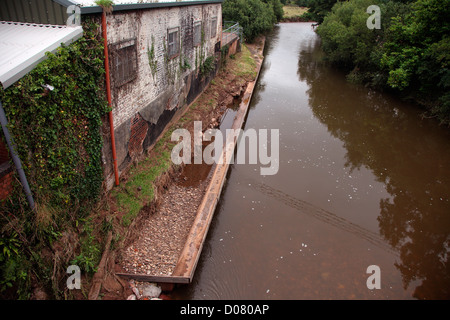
{"points": [[157, 235]]}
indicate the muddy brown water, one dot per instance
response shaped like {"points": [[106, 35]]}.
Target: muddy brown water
{"points": [[363, 180]]}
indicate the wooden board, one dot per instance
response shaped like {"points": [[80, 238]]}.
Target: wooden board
{"points": [[190, 255], [153, 278]]}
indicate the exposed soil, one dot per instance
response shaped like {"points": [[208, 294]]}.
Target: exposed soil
{"points": [[156, 238]]}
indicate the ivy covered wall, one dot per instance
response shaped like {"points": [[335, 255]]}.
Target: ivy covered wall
{"points": [[55, 114]]}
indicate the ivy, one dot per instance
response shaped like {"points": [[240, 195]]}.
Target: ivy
{"points": [[207, 66], [152, 61], [54, 115]]}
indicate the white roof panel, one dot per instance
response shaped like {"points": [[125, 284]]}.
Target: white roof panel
{"points": [[23, 46]]}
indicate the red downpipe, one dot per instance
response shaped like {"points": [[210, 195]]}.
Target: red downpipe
{"points": [[108, 94]]}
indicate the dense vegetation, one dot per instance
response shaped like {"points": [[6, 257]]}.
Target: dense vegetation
{"points": [[57, 132], [409, 55], [255, 16]]}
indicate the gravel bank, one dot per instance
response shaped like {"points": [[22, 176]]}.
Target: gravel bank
{"points": [[163, 235]]}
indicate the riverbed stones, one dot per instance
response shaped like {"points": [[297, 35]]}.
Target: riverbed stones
{"points": [[163, 236]]}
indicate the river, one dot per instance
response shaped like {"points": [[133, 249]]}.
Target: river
{"points": [[363, 181]]}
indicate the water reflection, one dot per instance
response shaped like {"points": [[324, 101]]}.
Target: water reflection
{"points": [[409, 155]]}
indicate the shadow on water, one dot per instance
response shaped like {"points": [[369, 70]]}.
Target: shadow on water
{"points": [[408, 154]]}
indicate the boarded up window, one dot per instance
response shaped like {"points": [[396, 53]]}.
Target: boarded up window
{"points": [[173, 42], [197, 33], [124, 62], [213, 27]]}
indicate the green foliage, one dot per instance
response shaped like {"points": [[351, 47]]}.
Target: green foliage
{"points": [[90, 253], [417, 54], [409, 54], [184, 63], [346, 39], [58, 131], [13, 265], [255, 16], [152, 61], [277, 8], [320, 8], [107, 5], [207, 66], [223, 55], [104, 3], [142, 178], [59, 142], [307, 16], [303, 3]]}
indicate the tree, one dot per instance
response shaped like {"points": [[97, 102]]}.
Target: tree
{"points": [[255, 16], [320, 8], [346, 39], [417, 55], [277, 8]]}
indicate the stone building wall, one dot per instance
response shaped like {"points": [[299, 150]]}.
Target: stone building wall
{"points": [[156, 86]]}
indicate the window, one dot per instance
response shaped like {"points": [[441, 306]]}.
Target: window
{"points": [[213, 27], [197, 33], [124, 62], [173, 42]]}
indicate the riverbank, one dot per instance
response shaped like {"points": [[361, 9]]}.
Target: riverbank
{"points": [[153, 209]]}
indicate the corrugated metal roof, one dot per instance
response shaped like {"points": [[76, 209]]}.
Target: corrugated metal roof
{"points": [[34, 11], [23, 46]]}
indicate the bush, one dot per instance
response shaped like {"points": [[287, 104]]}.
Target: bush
{"points": [[255, 16], [409, 54], [346, 39], [320, 8]]}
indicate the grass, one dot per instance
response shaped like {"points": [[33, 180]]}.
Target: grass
{"points": [[293, 11], [246, 64], [138, 191]]}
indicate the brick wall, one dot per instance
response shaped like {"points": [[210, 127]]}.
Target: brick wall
{"points": [[6, 185], [4, 154], [6, 174], [139, 128]]}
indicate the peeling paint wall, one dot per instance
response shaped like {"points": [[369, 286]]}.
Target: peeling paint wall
{"points": [[144, 106]]}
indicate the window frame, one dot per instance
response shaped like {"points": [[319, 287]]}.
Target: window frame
{"points": [[213, 29], [124, 64], [176, 42], [197, 42]]}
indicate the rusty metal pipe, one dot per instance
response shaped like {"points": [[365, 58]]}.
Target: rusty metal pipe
{"points": [[108, 94]]}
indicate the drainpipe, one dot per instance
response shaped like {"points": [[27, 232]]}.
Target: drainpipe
{"points": [[12, 150], [108, 93]]}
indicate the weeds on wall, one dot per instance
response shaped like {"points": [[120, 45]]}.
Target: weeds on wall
{"points": [[152, 61], [207, 66], [55, 114], [202, 64], [169, 64]]}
